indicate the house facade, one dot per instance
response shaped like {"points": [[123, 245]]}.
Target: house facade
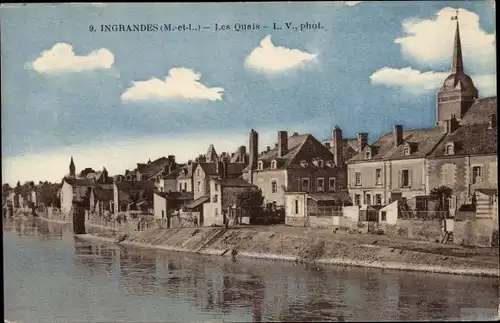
{"points": [[298, 163], [102, 198], [73, 189], [223, 197], [204, 172], [132, 194]]}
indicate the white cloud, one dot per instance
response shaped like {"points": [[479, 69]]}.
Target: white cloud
{"points": [[352, 3], [181, 83], [62, 58], [117, 155], [431, 41], [416, 82], [270, 58]]}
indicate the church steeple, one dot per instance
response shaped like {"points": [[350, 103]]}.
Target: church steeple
{"points": [[457, 65], [72, 168], [458, 91]]}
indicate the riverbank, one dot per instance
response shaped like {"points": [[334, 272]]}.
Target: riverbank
{"points": [[313, 246]]}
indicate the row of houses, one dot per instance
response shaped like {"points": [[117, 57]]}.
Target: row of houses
{"points": [[302, 175]]}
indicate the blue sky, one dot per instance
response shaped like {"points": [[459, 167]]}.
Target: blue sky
{"points": [[68, 91]]}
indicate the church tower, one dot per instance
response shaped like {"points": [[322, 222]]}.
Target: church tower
{"points": [[458, 91], [72, 168]]}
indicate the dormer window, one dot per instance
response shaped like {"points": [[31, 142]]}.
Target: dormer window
{"points": [[303, 163], [321, 164], [330, 164], [450, 148], [406, 151], [260, 165], [368, 155], [274, 164]]}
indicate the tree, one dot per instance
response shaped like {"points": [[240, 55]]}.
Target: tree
{"points": [[442, 193], [247, 200]]}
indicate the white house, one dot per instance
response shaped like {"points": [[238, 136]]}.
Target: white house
{"points": [[73, 189]]}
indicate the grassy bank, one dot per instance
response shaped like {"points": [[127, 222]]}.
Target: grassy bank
{"points": [[320, 246]]}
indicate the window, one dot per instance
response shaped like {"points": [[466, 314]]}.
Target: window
{"points": [[368, 155], [368, 199], [405, 178], [305, 184], [273, 164], [449, 149], [198, 172], [296, 206], [303, 163], [274, 187], [198, 186], [260, 165], [476, 174], [358, 178], [162, 213], [180, 187], [320, 163], [384, 216], [216, 187], [378, 199], [185, 186], [357, 199], [320, 185], [406, 151], [331, 184], [215, 198], [378, 176]]}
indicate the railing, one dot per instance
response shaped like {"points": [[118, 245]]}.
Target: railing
{"points": [[423, 215], [325, 211]]}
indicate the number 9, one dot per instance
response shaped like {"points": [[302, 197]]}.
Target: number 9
{"points": [[91, 28]]}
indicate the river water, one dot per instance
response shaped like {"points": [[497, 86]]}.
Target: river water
{"points": [[49, 276]]}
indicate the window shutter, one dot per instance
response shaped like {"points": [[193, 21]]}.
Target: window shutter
{"points": [[400, 179], [409, 177]]}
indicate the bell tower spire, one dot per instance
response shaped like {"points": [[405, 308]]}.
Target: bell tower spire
{"points": [[72, 168], [458, 92], [457, 65]]}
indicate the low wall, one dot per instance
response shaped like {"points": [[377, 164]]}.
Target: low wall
{"points": [[347, 223], [295, 221], [478, 232], [320, 221], [429, 230]]}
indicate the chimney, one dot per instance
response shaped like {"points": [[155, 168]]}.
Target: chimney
{"points": [[171, 159], [338, 147], [452, 124], [362, 140], [221, 168], [282, 143], [397, 135], [253, 146], [492, 121]]}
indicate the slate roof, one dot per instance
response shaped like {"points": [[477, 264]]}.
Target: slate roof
{"points": [[480, 111], [233, 169], [135, 185], [176, 195], [78, 181], [95, 175], [173, 174], [425, 141], [296, 147], [190, 169], [154, 167], [103, 192], [234, 182], [473, 139]]}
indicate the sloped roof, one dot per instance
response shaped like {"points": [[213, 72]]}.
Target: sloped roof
{"points": [[297, 148], [190, 169], [135, 185], [471, 139], [77, 181], [384, 148], [480, 111], [154, 167], [95, 175], [234, 182], [232, 168], [173, 174], [488, 191], [198, 202], [176, 195], [103, 193]]}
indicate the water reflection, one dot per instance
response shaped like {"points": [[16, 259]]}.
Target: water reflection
{"points": [[116, 283]]}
